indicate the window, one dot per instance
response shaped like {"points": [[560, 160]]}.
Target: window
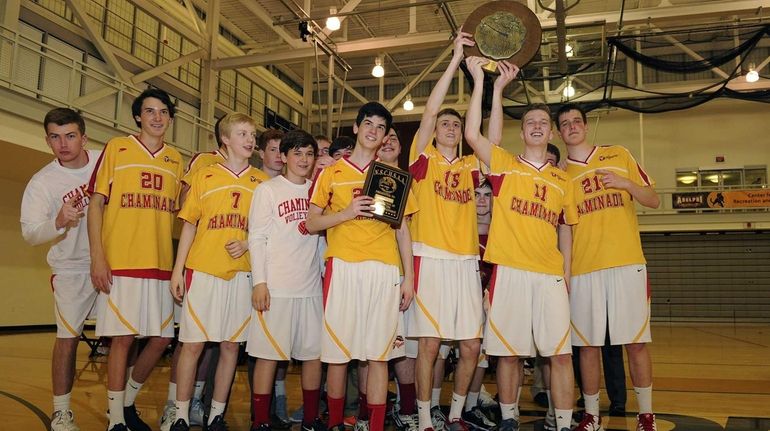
{"points": [[749, 176]]}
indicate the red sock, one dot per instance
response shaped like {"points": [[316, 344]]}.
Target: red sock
{"points": [[261, 404], [336, 410], [408, 398], [376, 417], [363, 409], [310, 405]]}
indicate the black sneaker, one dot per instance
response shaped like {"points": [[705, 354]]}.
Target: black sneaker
{"points": [[476, 420], [317, 425], [277, 423], [509, 425], [118, 427], [338, 427], [218, 424], [180, 425], [262, 427], [133, 421]]}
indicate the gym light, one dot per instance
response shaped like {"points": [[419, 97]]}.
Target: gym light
{"points": [[752, 75], [378, 71], [569, 49], [408, 104], [333, 23], [569, 90]]}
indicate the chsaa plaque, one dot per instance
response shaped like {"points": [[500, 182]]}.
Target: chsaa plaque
{"points": [[503, 30], [389, 187]]}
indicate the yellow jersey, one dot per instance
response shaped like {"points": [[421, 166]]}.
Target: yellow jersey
{"points": [[218, 202], [445, 195], [201, 160], [141, 191], [529, 203], [362, 238], [608, 232]]}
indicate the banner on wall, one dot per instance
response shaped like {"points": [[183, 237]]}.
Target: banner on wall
{"points": [[721, 199]]}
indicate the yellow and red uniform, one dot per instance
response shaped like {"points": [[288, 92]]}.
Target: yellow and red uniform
{"points": [[200, 161]]}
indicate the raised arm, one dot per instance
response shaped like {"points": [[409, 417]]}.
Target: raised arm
{"points": [[480, 144], [508, 73], [437, 95]]}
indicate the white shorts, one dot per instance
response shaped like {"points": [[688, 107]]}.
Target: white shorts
{"points": [[177, 313], [290, 329], [215, 309], [618, 296], [444, 349], [448, 299], [74, 301], [361, 302], [528, 311], [135, 306]]}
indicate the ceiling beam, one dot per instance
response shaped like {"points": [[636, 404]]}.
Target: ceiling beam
{"points": [[177, 22], [394, 101], [266, 18]]}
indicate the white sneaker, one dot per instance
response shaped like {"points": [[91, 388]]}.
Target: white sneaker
{"points": [[169, 416], [63, 420], [197, 412], [550, 421], [409, 422], [361, 425]]}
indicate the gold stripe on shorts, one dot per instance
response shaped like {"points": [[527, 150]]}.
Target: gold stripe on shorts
{"points": [[562, 342], [646, 323], [64, 322], [337, 340], [120, 317], [500, 336], [579, 334], [427, 314], [238, 332], [168, 320], [270, 338], [196, 320]]}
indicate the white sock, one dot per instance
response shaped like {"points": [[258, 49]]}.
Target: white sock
{"points": [[550, 403], [171, 392], [423, 415], [115, 404], [592, 403], [435, 397], [279, 389], [132, 390], [509, 411], [644, 398], [183, 410], [198, 389], [471, 401], [61, 402], [217, 409], [563, 418], [456, 408]]}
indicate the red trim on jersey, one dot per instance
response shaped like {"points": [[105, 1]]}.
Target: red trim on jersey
{"points": [[52, 276], [496, 181], [194, 158], [539, 169], [476, 176], [92, 180], [644, 176], [151, 273], [354, 166], [237, 174], [162, 146], [419, 168], [416, 266], [327, 279], [188, 273], [492, 282], [647, 282], [583, 162]]}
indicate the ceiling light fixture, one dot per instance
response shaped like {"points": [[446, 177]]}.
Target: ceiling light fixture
{"points": [[408, 104], [569, 49], [378, 71], [569, 90], [333, 22], [752, 75]]}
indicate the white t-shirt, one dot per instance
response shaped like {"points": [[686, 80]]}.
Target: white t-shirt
{"points": [[44, 196], [283, 253]]}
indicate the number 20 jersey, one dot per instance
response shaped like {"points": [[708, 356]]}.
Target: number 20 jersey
{"points": [[141, 191]]}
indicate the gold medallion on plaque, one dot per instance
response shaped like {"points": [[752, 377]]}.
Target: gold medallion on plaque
{"points": [[503, 30]]}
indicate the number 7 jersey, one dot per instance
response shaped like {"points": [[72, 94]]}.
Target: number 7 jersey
{"points": [[529, 202]]}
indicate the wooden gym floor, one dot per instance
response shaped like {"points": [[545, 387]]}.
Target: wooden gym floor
{"points": [[706, 377]]}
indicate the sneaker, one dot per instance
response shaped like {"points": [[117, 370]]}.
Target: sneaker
{"points": [[476, 419], [180, 425], [437, 418], [406, 422], [63, 420], [218, 424], [262, 427], [280, 408], [508, 425], [349, 421], [617, 410], [486, 399], [646, 422], [298, 415], [549, 424], [541, 399], [276, 422], [589, 423], [361, 425], [118, 427], [133, 421], [317, 425], [169, 416], [457, 425], [197, 413]]}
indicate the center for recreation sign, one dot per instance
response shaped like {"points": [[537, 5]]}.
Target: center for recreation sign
{"points": [[727, 199]]}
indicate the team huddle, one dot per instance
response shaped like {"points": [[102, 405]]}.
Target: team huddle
{"points": [[289, 260]]}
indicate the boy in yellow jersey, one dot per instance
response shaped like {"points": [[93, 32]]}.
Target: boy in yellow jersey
{"points": [[529, 306], [608, 288], [362, 288], [211, 272], [134, 194]]}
